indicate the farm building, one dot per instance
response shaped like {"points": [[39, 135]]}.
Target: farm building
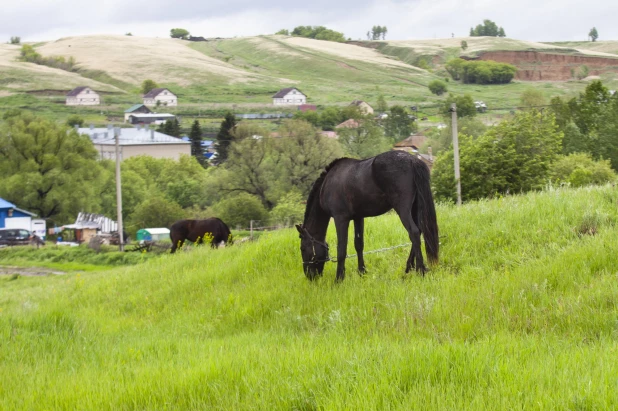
{"points": [[153, 234], [160, 96], [150, 118], [136, 142], [289, 97], [83, 96], [136, 109], [363, 106], [351, 123], [13, 217], [86, 226], [411, 144]]}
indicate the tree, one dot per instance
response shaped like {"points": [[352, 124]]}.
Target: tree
{"points": [[179, 34], [75, 120], [318, 33], [437, 87], [148, 85], [364, 141], [170, 127], [465, 106], [156, 211], [15, 40], [532, 98], [398, 125], [381, 105], [197, 150], [464, 45], [301, 154], [488, 28], [225, 137], [579, 169], [47, 168], [283, 32], [240, 209], [289, 209], [377, 32], [514, 156], [593, 34]]}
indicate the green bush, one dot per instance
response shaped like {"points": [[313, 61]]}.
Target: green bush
{"points": [[239, 210], [437, 87], [481, 71], [579, 169]]}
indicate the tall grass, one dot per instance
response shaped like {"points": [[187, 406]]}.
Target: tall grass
{"points": [[521, 313]]}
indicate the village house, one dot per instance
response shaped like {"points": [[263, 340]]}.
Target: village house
{"points": [[412, 145], [289, 97], [83, 96], [13, 217], [150, 118], [136, 109], [137, 141], [363, 106], [160, 96]]}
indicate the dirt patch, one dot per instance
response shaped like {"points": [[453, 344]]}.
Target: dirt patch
{"points": [[346, 66], [28, 271], [537, 66]]}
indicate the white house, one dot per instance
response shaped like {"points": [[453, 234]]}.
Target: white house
{"points": [[161, 95], [289, 97], [83, 96], [363, 106]]}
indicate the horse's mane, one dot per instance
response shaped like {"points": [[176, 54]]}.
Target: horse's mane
{"points": [[315, 189]]}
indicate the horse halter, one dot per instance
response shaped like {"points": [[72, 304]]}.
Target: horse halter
{"points": [[313, 243]]}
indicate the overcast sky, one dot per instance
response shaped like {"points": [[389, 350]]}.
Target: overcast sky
{"points": [[535, 20]]}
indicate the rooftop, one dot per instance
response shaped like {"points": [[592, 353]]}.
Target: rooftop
{"points": [[76, 91], [129, 136]]}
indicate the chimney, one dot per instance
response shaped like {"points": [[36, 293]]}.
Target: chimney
{"points": [[430, 154], [152, 134]]}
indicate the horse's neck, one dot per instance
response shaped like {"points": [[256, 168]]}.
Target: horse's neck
{"points": [[317, 220]]}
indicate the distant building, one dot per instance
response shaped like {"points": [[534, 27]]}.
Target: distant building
{"points": [[136, 142], [83, 96], [150, 118], [12, 217], [289, 97], [412, 143], [163, 96], [351, 123], [363, 106], [136, 109]]}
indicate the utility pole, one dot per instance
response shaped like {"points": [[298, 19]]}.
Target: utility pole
{"points": [[118, 191], [456, 151]]}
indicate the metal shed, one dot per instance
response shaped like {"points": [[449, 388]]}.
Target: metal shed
{"points": [[153, 234]]}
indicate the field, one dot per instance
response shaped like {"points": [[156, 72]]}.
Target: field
{"points": [[520, 314]]}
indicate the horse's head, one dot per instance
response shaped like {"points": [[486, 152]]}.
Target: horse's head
{"points": [[314, 253]]}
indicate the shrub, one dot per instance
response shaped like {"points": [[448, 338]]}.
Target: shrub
{"points": [[239, 210], [290, 209], [15, 40], [437, 87], [579, 169], [481, 71]]}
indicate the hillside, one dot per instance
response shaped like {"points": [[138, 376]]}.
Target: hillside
{"points": [[520, 314], [243, 73]]}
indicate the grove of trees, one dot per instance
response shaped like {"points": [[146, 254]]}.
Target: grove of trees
{"points": [[480, 71], [377, 32], [179, 34], [316, 32], [488, 28]]}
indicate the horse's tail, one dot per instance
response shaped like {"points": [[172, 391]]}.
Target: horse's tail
{"points": [[426, 210]]}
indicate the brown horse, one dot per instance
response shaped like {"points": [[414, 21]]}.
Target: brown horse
{"points": [[196, 230]]}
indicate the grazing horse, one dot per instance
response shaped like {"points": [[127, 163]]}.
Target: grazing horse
{"points": [[350, 190], [195, 230]]}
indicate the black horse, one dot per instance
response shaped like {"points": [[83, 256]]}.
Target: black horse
{"points": [[350, 190], [195, 230]]}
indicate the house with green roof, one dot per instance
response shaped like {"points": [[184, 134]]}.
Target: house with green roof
{"points": [[136, 109]]}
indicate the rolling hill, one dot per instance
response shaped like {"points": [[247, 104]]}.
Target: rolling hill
{"points": [[246, 72]]}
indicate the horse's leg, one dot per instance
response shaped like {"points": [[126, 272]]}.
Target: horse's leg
{"points": [[176, 244], [342, 246], [404, 211], [359, 243]]}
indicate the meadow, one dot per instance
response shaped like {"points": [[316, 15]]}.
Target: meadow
{"points": [[521, 313]]}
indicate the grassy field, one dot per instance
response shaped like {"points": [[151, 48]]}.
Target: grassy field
{"points": [[521, 313]]}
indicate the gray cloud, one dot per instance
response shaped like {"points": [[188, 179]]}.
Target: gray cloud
{"points": [[525, 19]]}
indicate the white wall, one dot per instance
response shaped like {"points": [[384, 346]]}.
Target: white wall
{"points": [[87, 97], [166, 97], [293, 98]]}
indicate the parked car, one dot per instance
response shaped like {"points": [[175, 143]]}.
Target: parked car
{"points": [[15, 236]]}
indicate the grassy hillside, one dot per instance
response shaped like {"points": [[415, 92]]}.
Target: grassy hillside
{"points": [[607, 47], [520, 313], [243, 73]]}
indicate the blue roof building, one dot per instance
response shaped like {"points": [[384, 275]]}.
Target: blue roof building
{"points": [[9, 210]]}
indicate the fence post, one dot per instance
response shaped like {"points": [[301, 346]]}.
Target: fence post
{"points": [[251, 229]]}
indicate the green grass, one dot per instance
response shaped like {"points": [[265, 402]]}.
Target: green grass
{"points": [[520, 314]]}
